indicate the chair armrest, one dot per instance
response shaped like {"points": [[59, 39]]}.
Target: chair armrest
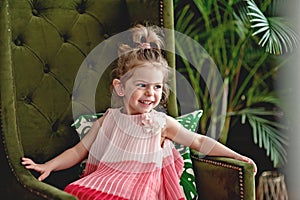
{"points": [[223, 178], [43, 190], [28, 187]]}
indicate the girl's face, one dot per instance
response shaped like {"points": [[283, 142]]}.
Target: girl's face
{"points": [[143, 90]]}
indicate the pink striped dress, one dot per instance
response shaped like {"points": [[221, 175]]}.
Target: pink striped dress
{"points": [[127, 161]]}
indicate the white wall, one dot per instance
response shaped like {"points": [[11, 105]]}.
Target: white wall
{"points": [[290, 78]]}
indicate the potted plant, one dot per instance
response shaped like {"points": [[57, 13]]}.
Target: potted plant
{"points": [[248, 44]]}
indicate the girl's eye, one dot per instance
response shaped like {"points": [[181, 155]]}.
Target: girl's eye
{"points": [[158, 87], [141, 85]]}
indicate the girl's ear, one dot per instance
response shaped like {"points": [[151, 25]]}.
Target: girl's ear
{"points": [[118, 87]]}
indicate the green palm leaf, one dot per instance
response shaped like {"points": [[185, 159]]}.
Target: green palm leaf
{"points": [[267, 133], [276, 35]]}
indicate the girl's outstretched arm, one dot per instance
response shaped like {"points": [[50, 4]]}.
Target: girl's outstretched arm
{"points": [[206, 145], [65, 160], [68, 158]]}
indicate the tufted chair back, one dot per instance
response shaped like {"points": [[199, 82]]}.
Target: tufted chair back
{"points": [[43, 44]]}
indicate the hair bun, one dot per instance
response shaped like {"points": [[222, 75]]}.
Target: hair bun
{"points": [[150, 37]]}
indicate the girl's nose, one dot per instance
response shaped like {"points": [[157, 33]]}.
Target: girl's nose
{"points": [[149, 91]]}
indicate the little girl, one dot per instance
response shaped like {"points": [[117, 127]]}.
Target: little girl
{"points": [[130, 150]]}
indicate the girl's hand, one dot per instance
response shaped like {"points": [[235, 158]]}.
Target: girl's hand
{"points": [[248, 160], [41, 168]]}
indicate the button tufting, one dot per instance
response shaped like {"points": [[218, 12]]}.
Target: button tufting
{"points": [[27, 99], [18, 42], [81, 8], [35, 12], [46, 68], [55, 126], [106, 36], [65, 37], [74, 95], [90, 66]]}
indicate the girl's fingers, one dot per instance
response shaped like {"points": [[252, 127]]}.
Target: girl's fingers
{"points": [[43, 176], [30, 164], [31, 167], [27, 161], [253, 163], [249, 160]]}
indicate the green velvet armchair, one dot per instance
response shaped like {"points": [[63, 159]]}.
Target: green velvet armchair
{"points": [[43, 43]]}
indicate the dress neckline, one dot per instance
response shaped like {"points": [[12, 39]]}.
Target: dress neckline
{"points": [[147, 124], [133, 115]]}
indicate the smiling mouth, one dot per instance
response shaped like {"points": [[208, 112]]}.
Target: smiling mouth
{"points": [[145, 102]]}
